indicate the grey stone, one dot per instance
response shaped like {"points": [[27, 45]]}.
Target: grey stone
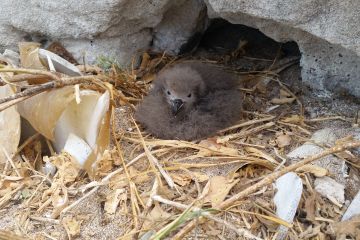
{"points": [[329, 188], [111, 27], [327, 136], [327, 33], [334, 165], [324, 136], [179, 24]]}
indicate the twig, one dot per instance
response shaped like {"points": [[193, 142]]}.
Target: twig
{"points": [[31, 71], [47, 220], [132, 187], [154, 161], [11, 161], [11, 100], [5, 235], [71, 206], [245, 133], [239, 231], [247, 123], [27, 77], [320, 119], [271, 178]]}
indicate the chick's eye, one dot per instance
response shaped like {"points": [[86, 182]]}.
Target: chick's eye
{"points": [[168, 92], [189, 95]]}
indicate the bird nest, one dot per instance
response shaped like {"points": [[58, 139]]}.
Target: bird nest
{"points": [[217, 188]]}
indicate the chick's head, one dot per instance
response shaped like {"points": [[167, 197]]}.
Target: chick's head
{"points": [[182, 88]]}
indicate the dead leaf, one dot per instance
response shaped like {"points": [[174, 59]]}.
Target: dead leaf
{"points": [[200, 177], [156, 218], [59, 49], [105, 163], [181, 179], [259, 153], [284, 93], [59, 200], [296, 119], [314, 169], [145, 61], [29, 56], [113, 200], [71, 225], [282, 100], [219, 187], [211, 148], [68, 168], [310, 206], [283, 140], [350, 227]]}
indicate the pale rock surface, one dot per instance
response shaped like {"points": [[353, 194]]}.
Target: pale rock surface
{"points": [[327, 33], [114, 28], [329, 188], [334, 165], [179, 24]]}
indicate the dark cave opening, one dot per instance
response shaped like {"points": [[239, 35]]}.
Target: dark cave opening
{"points": [[224, 37], [247, 47]]}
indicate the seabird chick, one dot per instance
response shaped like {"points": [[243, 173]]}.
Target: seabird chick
{"points": [[190, 101]]}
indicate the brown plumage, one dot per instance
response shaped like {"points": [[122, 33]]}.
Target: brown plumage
{"points": [[190, 101]]}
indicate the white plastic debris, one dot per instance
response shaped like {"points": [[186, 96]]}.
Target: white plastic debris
{"points": [[75, 120], [78, 148], [76, 128], [304, 151], [353, 209], [10, 126], [287, 198], [330, 189], [59, 64]]}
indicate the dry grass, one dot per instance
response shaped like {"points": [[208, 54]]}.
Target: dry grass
{"points": [[218, 188]]}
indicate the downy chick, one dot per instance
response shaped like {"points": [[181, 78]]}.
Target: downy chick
{"points": [[190, 101]]}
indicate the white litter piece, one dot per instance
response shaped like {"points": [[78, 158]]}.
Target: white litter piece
{"points": [[330, 189], [80, 129], [353, 209], [77, 148], [10, 127], [287, 199], [60, 64]]}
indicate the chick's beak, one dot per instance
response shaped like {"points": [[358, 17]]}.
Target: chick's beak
{"points": [[176, 105]]}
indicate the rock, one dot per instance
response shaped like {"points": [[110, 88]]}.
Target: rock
{"points": [[115, 28], [324, 136], [180, 23], [331, 189], [334, 165], [326, 32], [304, 151]]}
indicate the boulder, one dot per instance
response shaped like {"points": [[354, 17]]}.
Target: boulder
{"points": [[119, 29], [327, 33]]}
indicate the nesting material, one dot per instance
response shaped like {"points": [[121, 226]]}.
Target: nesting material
{"points": [[226, 179]]}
